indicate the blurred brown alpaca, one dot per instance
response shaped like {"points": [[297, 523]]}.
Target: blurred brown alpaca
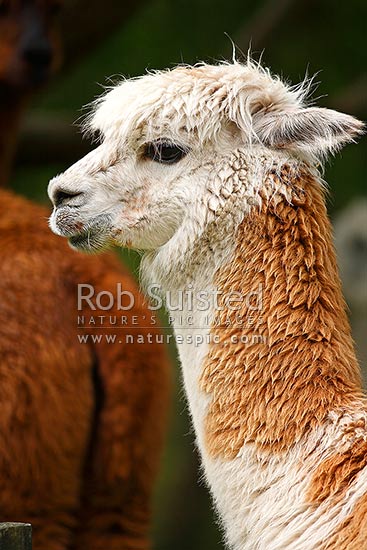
{"points": [[81, 425]]}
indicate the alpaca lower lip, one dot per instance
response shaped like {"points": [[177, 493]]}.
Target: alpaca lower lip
{"points": [[94, 238], [87, 240], [80, 238]]}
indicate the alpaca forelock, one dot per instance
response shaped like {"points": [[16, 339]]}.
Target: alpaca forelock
{"points": [[201, 99]]}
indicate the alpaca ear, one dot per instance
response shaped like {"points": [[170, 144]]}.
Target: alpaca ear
{"points": [[314, 130]]}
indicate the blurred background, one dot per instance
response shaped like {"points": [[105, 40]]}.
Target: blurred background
{"points": [[102, 40]]}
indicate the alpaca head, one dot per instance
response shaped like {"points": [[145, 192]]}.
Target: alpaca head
{"points": [[29, 43], [171, 152]]}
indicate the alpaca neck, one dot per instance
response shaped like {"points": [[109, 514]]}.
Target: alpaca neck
{"points": [[271, 371], [269, 382], [296, 362], [11, 109]]}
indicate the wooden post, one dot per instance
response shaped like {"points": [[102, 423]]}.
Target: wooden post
{"points": [[15, 536]]}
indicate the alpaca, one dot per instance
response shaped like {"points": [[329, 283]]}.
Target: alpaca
{"points": [[351, 247], [81, 424], [213, 172]]}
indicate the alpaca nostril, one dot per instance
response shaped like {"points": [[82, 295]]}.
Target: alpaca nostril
{"points": [[62, 198], [38, 56]]}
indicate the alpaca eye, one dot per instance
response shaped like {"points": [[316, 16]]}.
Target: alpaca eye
{"points": [[164, 152]]}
